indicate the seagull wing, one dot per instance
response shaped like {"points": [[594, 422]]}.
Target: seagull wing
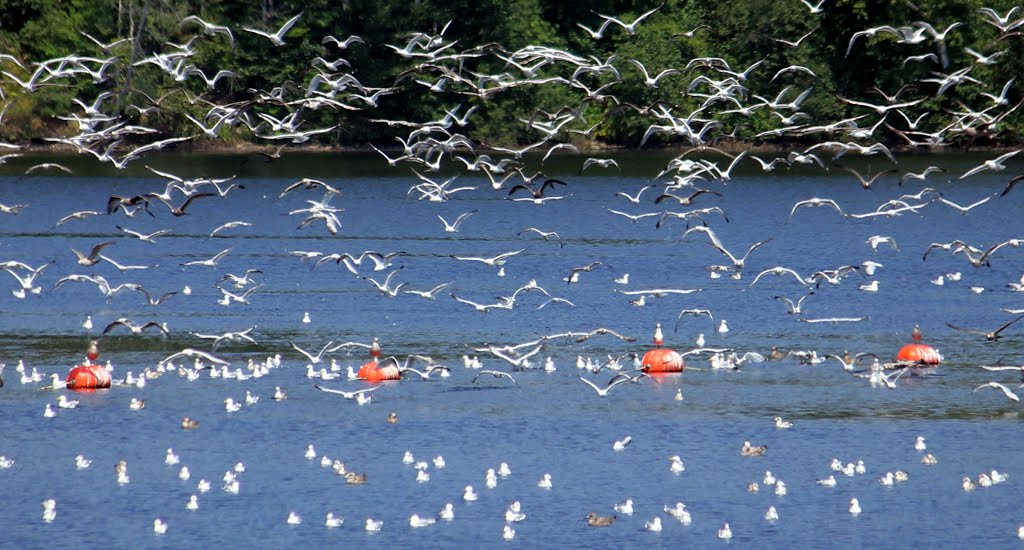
{"points": [[1010, 185], [971, 330], [345, 394], [288, 25], [154, 324], [1006, 391], [115, 324], [999, 368], [303, 352], [1008, 323], [591, 384]]}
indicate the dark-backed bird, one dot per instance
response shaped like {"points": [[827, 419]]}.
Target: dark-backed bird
{"points": [[178, 211], [135, 329], [994, 335], [92, 258], [538, 192], [574, 275], [685, 201]]}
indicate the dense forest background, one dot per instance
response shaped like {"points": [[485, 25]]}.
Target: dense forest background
{"points": [[489, 32]]}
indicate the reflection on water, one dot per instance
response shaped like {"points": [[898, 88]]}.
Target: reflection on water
{"points": [[554, 424]]}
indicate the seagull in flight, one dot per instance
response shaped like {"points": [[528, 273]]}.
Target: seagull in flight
{"points": [[453, 227], [834, 320], [497, 374], [229, 225], [47, 165], [385, 288], [685, 201], [575, 273], [630, 27], [990, 336], [92, 258], [634, 217], [429, 294], [779, 270], [314, 359], [276, 38], [603, 392], [964, 209], [814, 8], [496, 261], [229, 336], [1006, 391], [193, 354], [136, 329], [601, 163], [635, 199], [865, 182], [228, 297], [738, 263], [308, 183], [995, 165], [793, 308], [178, 211], [648, 80], [543, 234], [80, 215], [343, 44], [348, 394], [212, 262], [483, 308], [210, 29], [695, 313], [815, 202], [146, 238], [518, 360], [876, 240]]}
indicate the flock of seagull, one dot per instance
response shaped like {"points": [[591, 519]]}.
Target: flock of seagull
{"points": [[697, 177]]}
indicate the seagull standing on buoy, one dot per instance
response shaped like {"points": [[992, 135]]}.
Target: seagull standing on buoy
{"points": [[659, 337], [93, 353], [916, 335]]}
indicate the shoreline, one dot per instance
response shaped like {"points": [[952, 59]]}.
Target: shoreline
{"points": [[208, 147]]}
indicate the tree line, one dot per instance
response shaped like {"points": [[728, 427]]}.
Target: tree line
{"points": [[773, 35]]}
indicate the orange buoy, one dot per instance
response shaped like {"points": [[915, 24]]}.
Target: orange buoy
{"points": [[662, 360], [922, 354], [919, 353], [374, 373], [88, 377]]}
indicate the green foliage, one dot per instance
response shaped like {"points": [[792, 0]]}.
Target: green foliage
{"points": [[741, 33]]}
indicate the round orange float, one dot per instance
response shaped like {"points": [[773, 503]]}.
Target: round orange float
{"points": [[922, 354], [662, 360], [374, 373], [88, 377]]}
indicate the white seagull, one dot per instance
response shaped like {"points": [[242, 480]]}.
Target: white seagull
{"points": [[276, 38], [631, 27], [996, 165]]}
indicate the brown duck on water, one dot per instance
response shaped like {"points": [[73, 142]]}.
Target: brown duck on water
{"points": [[595, 520]]}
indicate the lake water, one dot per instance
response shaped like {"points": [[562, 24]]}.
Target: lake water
{"points": [[554, 423]]}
